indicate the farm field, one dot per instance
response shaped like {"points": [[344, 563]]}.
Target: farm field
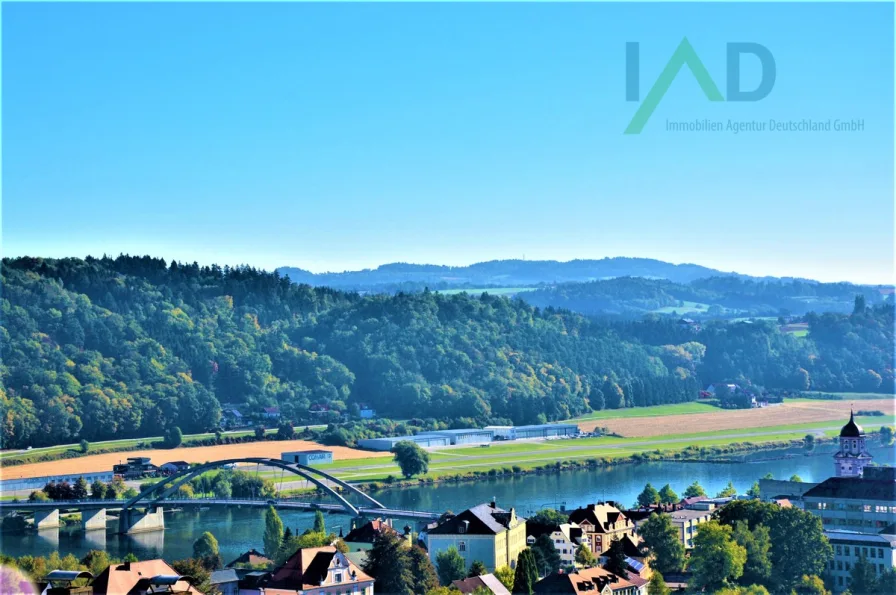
{"points": [[685, 308], [793, 412], [654, 411], [199, 454]]}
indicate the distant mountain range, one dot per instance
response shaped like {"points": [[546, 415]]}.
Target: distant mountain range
{"points": [[612, 286], [510, 273]]}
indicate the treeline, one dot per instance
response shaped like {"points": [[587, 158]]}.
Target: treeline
{"points": [[842, 352], [130, 346], [717, 297]]}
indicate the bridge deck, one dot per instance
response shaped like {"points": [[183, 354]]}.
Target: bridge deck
{"points": [[286, 504]]}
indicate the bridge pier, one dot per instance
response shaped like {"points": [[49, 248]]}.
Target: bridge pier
{"points": [[94, 519], [131, 521], [47, 519]]}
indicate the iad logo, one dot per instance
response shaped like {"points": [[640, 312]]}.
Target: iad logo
{"points": [[685, 55]]}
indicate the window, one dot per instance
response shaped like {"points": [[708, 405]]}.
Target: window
{"points": [[840, 580], [865, 551], [880, 553], [839, 565], [873, 553], [855, 550], [462, 546], [881, 566], [337, 577], [839, 551], [846, 566], [866, 508]]}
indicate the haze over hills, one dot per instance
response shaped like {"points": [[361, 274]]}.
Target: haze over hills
{"points": [[511, 273]]}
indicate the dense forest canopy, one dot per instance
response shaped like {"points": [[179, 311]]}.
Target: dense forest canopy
{"points": [[130, 346]]}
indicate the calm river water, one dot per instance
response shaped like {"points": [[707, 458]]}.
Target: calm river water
{"points": [[240, 529]]}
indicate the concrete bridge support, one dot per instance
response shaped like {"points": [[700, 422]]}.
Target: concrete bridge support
{"points": [[47, 519], [131, 521], [94, 519]]}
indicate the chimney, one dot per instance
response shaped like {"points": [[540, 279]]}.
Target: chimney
{"points": [[494, 503]]}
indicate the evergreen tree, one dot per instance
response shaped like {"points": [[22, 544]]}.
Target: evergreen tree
{"points": [[273, 532], [388, 561], [422, 570], [287, 534], [695, 490], [862, 577], [525, 576], [477, 568], [320, 525], [79, 490], [550, 558], [728, 491], [615, 556], [450, 566], [667, 495], [649, 496]]}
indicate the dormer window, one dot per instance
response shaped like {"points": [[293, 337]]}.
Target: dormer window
{"points": [[337, 577]]}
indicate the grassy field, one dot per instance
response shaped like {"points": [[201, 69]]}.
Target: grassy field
{"points": [[844, 396], [655, 411]]}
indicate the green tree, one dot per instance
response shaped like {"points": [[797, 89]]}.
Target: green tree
{"points": [[615, 556], [695, 490], [754, 491], [388, 561], [97, 490], [205, 546], [97, 561], [550, 558], [305, 540], [412, 459], [450, 566], [196, 569], [810, 585], [757, 543], [796, 477], [886, 435], [662, 543], [422, 570], [548, 517], [741, 590], [526, 574], [728, 491], [584, 556], [648, 496], [809, 441], [862, 577], [80, 489], [273, 532], [477, 568], [84, 446], [716, 560], [668, 495], [506, 575], [886, 582], [799, 546], [173, 437], [657, 586], [320, 526]]}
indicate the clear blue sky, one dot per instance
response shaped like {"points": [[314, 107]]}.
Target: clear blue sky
{"points": [[335, 137]]}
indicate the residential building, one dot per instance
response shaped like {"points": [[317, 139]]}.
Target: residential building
{"points": [[850, 546], [566, 538], [492, 535], [367, 412], [271, 412], [311, 571], [251, 558], [368, 532], [140, 578], [592, 581], [601, 523], [226, 581], [852, 457], [864, 504], [57, 582], [308, 457], [687, 521], [487, 583]]}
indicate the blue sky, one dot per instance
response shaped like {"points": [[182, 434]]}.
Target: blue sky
{"points": [[335, 137]]}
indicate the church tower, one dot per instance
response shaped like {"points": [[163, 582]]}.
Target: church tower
{"points": [[852, 457]]}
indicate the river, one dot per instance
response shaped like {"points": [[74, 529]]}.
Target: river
{"points": [[237, 530]]}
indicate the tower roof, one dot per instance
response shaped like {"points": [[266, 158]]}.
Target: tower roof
{"points": [[851, 429]]}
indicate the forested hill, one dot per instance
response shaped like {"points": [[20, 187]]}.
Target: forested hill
{"points": [[128, 347], [503, 273], [715, 297]]}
